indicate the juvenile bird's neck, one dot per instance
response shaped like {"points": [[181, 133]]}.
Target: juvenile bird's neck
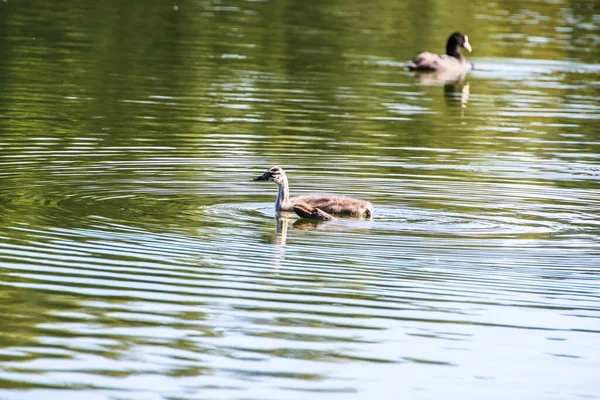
{"points": [[283, 196]]}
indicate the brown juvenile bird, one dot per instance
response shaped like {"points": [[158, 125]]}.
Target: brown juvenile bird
{"points": [[327, 204]]}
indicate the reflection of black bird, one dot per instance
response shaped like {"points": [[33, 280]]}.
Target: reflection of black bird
{"points": [[325, 204], [457, 93], [453, 61]]}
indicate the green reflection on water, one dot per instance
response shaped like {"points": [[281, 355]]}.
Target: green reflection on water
{"points": [[120, 120]]}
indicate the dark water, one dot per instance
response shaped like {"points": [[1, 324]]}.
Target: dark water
{"points": [[138, 260]]}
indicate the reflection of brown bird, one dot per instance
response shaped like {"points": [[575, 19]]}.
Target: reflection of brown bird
{"points": [[453, 60], [325, 204]]}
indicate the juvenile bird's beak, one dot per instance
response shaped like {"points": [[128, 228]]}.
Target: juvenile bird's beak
{"points": [[262, 177], [467, 45]]}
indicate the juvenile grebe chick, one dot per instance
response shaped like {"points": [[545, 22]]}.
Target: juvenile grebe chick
{"points": [[331, 204]]}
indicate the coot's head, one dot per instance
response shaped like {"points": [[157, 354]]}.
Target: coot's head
{"points": [[455, 42]]}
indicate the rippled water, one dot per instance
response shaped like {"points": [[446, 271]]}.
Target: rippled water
{"points": [[138, 259]]}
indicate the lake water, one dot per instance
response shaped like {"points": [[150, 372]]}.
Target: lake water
{"points": [[138, 259]]}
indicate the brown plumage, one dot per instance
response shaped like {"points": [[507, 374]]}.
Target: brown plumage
{"points": [[331, 204], [305, 211], [453, 60]]}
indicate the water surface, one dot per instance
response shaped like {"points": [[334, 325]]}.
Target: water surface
{"points": [[138, 259]]}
